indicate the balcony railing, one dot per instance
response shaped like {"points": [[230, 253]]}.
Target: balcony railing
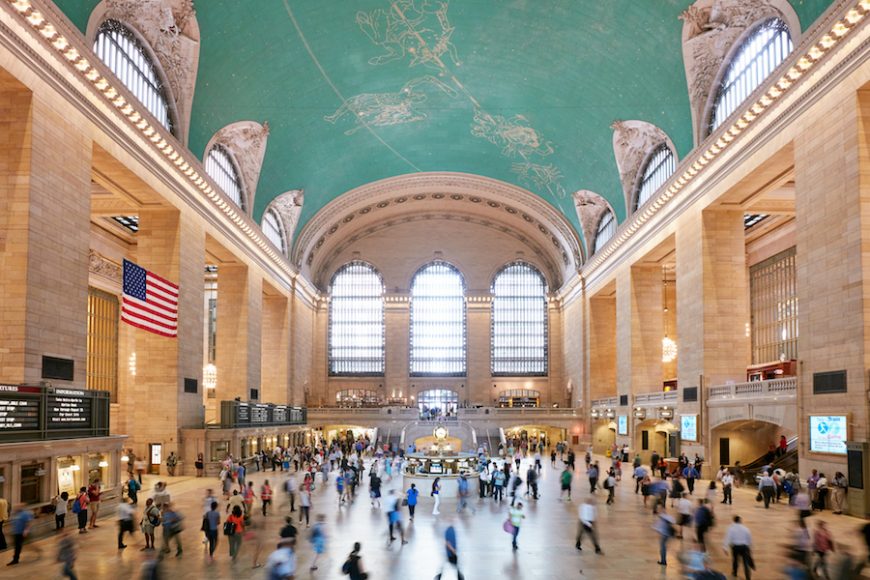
{"points": [[608, 402], [775, 388], [653, 399]]}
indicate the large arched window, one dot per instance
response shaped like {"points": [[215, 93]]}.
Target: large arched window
{"points": [[356, 321], [220, 166], [124, 54], [435, 402], [658, 169], [273, 230], [519, 321], [606, 229], [764, 49], [438, 321]]}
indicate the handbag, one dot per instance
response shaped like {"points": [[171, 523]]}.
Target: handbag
{"points": [[758, 496], [229, 528], [405, 502], [508, 527]]}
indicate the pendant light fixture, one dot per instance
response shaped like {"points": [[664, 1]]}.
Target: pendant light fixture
{"points": [[669, 347]]}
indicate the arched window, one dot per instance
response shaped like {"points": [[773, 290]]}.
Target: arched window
{"points": [[356, 321], [358, 398], [764, 49], [658, 169], [438, 321], [519, 321], [606, 229], [221, 167], [124, 54], [273, 230]]}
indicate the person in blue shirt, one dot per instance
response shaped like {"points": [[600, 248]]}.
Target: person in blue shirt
{"points": [[452, 553], [22, 518], [412, 493], [691, 474]]}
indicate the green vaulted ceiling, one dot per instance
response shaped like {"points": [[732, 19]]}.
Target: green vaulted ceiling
{"points": [[518, 90]]}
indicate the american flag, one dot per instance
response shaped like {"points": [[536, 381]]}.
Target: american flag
{"points": [[150, 302]]}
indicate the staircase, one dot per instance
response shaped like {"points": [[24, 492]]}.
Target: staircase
{"points": [[787, 463]]}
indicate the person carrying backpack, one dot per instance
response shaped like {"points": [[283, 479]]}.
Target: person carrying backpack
{"points": [[133, 488], [80, 508], [353, 565]]}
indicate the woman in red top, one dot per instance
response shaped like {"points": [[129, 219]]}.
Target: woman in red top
{"points": [[236, 538], [83, 502], [265, 495]]}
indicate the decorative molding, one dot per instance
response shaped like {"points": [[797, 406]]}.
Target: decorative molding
{"points": [[246, 141], [590, 207], [288, 206], [103, 266], [449, 187], [633, 141], [171, 31], [710, 30]]}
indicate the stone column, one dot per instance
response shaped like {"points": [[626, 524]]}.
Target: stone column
{"points": [[832, 198], [173, 247], [239, 309], [45, 186], [478, 353], [397, 317], [275, 361], [602, 347], [639, 330]]}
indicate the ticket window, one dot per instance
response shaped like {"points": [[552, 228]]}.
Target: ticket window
{"points": [[69, 475], [98, 468], [218, 450], [32, 483]]}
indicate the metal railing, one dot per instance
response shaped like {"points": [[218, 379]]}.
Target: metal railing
{"points": [[785, 387]]}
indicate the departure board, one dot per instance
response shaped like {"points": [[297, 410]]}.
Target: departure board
{"points": [[19, 408]]}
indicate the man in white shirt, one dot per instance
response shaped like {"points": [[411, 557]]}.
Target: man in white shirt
{"points": [[126, 513], [739, 539], [588, 516]]}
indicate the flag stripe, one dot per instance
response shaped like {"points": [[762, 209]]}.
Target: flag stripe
{"points": [[150, 302], [131, 314], [151, 308]]}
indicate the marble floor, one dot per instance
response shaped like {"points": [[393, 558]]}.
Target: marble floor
{"points": [[546, 541]]}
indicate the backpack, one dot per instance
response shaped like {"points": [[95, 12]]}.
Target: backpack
{"points": [[346, 567], [77, 506], [607, 483], [229, 528]]}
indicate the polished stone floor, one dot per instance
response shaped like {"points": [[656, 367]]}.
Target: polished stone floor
{"points": [[546, 541]]}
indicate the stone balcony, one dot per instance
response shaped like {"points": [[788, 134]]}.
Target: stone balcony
{"points": [[784, 389], [657, 399], [605, 403]]}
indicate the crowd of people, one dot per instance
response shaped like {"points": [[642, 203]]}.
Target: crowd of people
{"points": [[680, 509]]}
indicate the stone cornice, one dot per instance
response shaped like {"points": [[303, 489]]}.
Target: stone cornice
{"points": [[790, 84], [68, 66]]}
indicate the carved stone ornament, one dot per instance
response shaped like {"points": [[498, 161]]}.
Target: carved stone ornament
{"points": [[102, 266], [710, 29], [246, 140], [633, 141], [170, 28], [590, 207], [288, 206]]}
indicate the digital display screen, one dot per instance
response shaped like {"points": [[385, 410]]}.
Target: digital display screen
{"points": [[689, 427], [622, 425], [19, 408], [68, 409], [828, 433], [436, 468]]}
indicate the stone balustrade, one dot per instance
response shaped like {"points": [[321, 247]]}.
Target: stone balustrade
{"points": [[775, 388], [656, 399]]}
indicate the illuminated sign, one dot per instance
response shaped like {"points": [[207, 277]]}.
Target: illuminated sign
{"points": [[828, 433], [622, 425], [689, 427]]}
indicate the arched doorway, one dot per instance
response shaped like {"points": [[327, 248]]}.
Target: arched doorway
{"points": [[437, 402], [749, 441]]}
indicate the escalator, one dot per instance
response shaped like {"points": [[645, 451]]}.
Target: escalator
{"points": [[787, 463]]}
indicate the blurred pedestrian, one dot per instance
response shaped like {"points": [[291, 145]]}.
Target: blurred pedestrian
{"points": [[823, 544], [588, 519], [22, 519], [738, 539], [452, 553], [66, 554]]}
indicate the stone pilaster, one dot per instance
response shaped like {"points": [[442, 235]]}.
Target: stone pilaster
{"points": [[173, 247], [275, 350], [45, 169], [239, 309], [602, 347], [397, 317], [832, 199]]}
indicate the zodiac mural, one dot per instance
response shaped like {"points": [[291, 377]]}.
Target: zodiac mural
{"points": [[416, 28], [385, 109]]}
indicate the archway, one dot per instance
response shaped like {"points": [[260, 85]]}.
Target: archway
{"points": [[656, 435], [749, 441]]}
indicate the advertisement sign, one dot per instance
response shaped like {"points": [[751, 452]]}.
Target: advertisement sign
{"points": [[622, 425], [689, 427], [828, 433]]}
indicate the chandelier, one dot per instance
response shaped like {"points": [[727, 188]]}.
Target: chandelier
{"points": [[669, 347]]}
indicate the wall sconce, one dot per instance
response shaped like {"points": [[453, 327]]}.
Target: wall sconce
{"points": [[42, 472], [125, 458], [595, 414], [103, 463]]}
